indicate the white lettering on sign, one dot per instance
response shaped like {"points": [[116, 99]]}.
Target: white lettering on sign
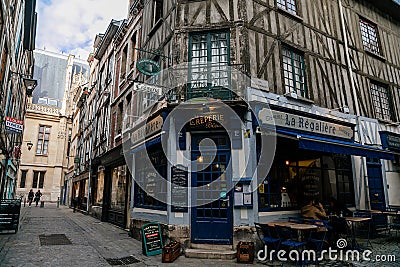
{"points": [[14, 125], [297, 122], [141, 87], [152, 127], [259, 84]]}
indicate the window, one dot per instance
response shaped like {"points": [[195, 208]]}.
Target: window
{"points": [[381, 101], [288, 5], [209, 56], [42, 101], [134, 47], [23, 179], [369, 35], [38, 176], [53, 102], [123, 62], [110, 69], [43, 140], [146, 177], [158, 11], [291, 182], [294, 72]]}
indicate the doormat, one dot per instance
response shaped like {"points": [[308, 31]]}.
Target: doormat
{"points": [[54, 240], [123, 261]]}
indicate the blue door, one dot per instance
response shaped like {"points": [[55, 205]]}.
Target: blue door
{"points": [[375, 184], [211, 218]]}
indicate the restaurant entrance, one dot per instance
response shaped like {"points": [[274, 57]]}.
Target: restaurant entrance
{"points": [[375, 184], [212, 220]]}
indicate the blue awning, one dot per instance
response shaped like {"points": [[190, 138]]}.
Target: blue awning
{"points": [[148, 143], [330, 145]]}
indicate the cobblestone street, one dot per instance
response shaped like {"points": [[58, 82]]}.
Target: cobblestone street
{"points": [[93, 242]]}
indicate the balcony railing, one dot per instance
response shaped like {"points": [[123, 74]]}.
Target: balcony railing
{"points": [[37, 108]]}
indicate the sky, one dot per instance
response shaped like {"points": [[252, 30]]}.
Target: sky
{"points": [[70, 26]]}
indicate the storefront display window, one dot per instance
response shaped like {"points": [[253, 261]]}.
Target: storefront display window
{"points": [[145, 176], [118, 188], [310, 175], [98, 188]]}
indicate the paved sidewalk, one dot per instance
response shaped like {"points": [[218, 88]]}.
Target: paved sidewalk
{"points": [[92, 242]]}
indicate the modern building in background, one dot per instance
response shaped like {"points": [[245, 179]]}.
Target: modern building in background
{"points": [[17, 42], [48, 124], [327, 70]]}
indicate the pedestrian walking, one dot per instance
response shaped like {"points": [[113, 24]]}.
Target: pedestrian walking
{"points": [[30, 197], [75, 201], [38, 195]]}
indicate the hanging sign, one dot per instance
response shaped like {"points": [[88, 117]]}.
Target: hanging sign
{"points": [[148, 67], [151, 239], [13, 125]]}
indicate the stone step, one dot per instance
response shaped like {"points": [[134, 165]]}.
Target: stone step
{"points": [[210, 254], [211, 246]]}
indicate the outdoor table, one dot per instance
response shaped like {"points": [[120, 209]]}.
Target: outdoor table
{"points": [[353, 221], [376, 211], [272, 224]]}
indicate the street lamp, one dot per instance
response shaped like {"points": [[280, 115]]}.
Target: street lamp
{"points": [[30, 145], [30, 84]]}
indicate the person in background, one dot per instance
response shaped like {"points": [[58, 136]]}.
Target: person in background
{"points": [[339, 209], [30, 197], [38, 195], [313, 210]]}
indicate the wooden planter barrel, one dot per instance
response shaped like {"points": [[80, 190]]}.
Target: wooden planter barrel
{"points": [[171, 252], [245, 252]]}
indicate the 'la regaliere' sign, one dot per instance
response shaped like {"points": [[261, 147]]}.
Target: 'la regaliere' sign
{"points": [[301, 123]]}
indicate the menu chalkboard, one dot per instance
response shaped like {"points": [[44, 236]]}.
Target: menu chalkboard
{"points": [[179, 188], [151, 241]]}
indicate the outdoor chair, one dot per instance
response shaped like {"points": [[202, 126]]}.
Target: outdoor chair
{"points": [[268, 236], [340, 229], [379, 224], [364, 229], [318, 239], [395, 223], [289, 240]]}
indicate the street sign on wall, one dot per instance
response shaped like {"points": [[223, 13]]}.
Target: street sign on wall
{"points": [[13, 125]]}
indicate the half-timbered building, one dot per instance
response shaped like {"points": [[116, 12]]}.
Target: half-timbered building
{"points": [[328, 72]]}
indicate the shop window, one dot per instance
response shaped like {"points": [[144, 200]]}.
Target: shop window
{"points": [[381, 101], [288, 5], [23, 179], [145, 177], [38, 179], [369, 35], [291, 182], [294, 72], [209, 73], [118, 187], [43, 140]]}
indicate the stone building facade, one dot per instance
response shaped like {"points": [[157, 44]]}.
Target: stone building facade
{"points": [[48, 126]]}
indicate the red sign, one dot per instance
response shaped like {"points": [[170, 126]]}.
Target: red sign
{"points": [[14, 125]]}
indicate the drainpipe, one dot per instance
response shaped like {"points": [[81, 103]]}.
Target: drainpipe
{"points": [[354, 94]]}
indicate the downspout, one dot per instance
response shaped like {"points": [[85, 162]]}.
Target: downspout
{"points": [[355, 99]]}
